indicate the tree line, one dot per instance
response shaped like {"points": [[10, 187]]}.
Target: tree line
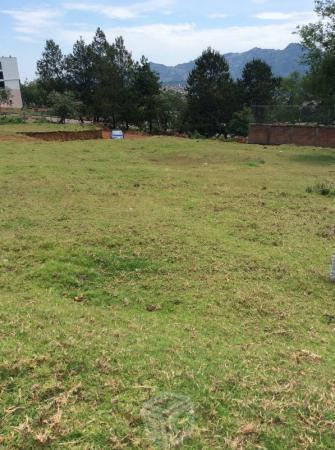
{"points": [[101, 81]]}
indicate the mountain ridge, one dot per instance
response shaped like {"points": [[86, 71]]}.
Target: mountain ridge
{"points": [[283, 63]]}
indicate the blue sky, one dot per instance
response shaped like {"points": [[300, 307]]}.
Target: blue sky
{"points": [[166, 31]]}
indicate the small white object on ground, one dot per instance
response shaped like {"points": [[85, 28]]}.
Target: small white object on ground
{"points": [[332, 273], [117, 134]]}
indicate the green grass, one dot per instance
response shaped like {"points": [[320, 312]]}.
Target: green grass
{"points": [[138, 268]]}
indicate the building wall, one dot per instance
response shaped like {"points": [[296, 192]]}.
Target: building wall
{"points": [[276, 134], [11, 79]]}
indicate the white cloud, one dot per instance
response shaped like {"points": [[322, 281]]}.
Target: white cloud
{"points": [[29, 24], [122, 12], [294, 16], [162, 43], [183, 42]]}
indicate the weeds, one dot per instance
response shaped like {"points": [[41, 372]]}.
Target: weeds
{"points": [[325, 189], [11, 120]]}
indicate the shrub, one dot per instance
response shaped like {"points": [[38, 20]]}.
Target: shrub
{"points": [[196, 135], [11, 119], [64, 105], [239, 124]]}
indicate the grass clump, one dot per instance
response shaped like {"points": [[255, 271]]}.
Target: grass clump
{"points": [[89, 274], [257, 162], [326, 189]]}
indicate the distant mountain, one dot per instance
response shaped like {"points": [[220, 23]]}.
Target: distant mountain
{"points": [[283, 63]]}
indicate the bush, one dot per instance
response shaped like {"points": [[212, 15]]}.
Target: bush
{"points": [[239, 124], [11, 119], [64, 105], [196, 135]]}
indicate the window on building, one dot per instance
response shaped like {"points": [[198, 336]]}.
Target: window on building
{"points": [[0, 66], [2, 84], [1, 75]]}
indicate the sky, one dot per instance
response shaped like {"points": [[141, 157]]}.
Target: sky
{"points": [[165, 31]]}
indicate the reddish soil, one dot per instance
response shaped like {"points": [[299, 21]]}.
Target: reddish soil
{"points": [[69, 135], [132, 135], [65, 135], [129, 135], [14, 138]]}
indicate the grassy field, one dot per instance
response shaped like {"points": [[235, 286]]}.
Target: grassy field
{"points": [[194, 273]]}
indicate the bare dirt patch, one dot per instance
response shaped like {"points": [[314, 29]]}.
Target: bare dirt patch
{"points": [[65, 135], [129, 135], [134, 136], [14, 138], [51, 136]]}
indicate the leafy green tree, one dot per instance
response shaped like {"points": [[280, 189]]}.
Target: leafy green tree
{"points": [[292, 90], [319, 39], [171, 108], [292, 96], [210, 94], [5, 96], [64, 105], [50, 68], [239, 124], [320, 81], [33, 96]]}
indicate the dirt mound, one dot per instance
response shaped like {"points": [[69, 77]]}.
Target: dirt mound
{"points": [[65, 135]]}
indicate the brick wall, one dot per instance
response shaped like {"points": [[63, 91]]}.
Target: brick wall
{"points": [[274, 134]]}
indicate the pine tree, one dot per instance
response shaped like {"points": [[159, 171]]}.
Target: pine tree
{"points": [[258, 85], [50, 68], [210, 94], [146, 89]]}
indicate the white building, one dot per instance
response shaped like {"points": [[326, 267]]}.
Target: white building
{"points": [[10, 79]]}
